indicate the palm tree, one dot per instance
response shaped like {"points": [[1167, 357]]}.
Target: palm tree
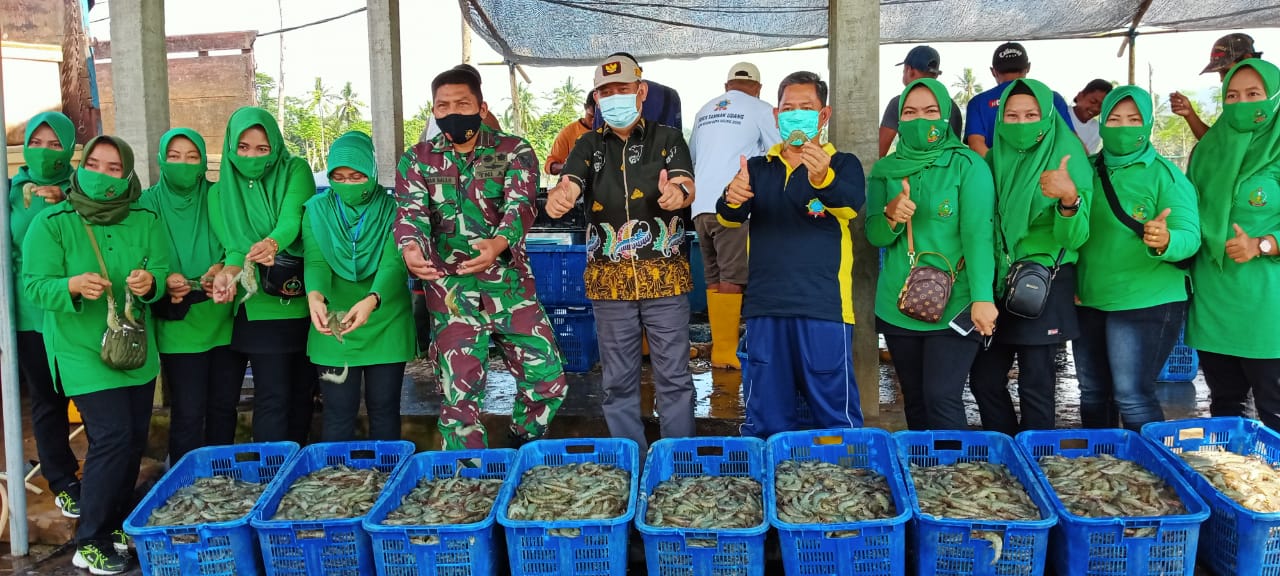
{"points": [[348, 107], [526, 111], [321, 97], [566, 97], [968, 87]]}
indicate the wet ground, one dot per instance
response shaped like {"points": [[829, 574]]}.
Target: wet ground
{"points": [[718, 409]]}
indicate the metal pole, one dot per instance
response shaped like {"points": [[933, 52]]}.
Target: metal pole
{"points": [[516, 126], [1133, 57], [14, 460]]}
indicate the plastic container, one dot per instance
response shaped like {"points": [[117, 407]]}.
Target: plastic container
{"points": [[1183, 363], [948, 546], [557, 273], [579, 547], [216, 548], [1234, 540], [323, 547], [1120, 546], [457, 550], [871, 548], [575, 330], [724, 551]]}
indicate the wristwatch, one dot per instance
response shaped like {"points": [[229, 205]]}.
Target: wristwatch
{"points": [[1073, 207], [1265, 246]]}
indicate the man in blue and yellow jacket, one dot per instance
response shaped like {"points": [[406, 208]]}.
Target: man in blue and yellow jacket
{"points": [[801, 197]]}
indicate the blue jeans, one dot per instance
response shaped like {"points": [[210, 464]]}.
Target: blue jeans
{"points": [[1118, 358]]}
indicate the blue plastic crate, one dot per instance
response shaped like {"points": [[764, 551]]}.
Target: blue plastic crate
{"points": [[579, 547], [945, 546], [871, 548], [1234, 540], [454, 550], [557, 273], [575, 330], [725, 551], [1182, 365], [212, 549], [1123, 546], [324, 547]]}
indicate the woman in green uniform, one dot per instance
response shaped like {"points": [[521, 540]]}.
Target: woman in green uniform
{"points": [[357, 286], [1132, 292], [1043, 189], [96, 251], [194, 332], [1234, 317], [931, 203], [41, 183], [256, 210]]}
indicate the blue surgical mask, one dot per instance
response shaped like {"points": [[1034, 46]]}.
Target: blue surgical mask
{"points": [[619, 110], [803, 120]]}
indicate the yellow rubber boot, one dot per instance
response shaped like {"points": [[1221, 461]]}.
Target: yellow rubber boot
{"points": [[725, 312]]}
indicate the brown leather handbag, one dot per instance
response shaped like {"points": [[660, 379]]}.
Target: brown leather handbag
{"points": [[927, 290]]}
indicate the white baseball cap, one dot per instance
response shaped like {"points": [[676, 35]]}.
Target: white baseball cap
{"points": [[744, 71]]}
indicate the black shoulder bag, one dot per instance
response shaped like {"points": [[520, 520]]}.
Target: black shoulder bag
{"points": [[1027, 285], [1129, 221]]}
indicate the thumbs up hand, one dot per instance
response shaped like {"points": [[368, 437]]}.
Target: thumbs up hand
{"points": [[1241, 247], [672, 190], [901, 208], [1155, 233], [1057, 184], [739, 189]]}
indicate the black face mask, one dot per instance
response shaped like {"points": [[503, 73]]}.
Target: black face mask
{"points": [[459, 128]]}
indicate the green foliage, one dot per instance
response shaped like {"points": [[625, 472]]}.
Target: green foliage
{"points": [[1170, 133], [967, 86], [414, 126], [266, 86]]}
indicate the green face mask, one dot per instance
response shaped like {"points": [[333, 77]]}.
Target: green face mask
{"points": [[101, 187], [354, 194], [1249, 116], [923, 133], [180, 176], [1123, 140], [252, 167], [1022, 136], [44, 163]]}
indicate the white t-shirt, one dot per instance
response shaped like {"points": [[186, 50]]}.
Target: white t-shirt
{"points": [[1088, 133], [729, 126], [430, 130]]}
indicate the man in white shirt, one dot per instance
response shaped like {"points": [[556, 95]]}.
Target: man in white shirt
{"points": [[727, 130], [1084, 114]]}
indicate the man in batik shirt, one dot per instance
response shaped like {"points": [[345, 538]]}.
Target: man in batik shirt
{"points": [[465, 199]]}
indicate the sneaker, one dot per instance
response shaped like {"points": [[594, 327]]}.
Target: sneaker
{"points": [[67, 504], [99, 562], [120, 541]]}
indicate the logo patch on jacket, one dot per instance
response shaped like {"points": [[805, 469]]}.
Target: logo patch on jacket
{"points": [[1258, 198], [1140, 213], [816, 209], [945, 210]]}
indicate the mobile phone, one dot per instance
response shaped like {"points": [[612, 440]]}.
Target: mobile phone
{"points": [[963, 322]]}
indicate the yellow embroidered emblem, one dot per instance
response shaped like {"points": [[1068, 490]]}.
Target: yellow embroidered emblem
{"points": [[597, 207], [637, 194]]}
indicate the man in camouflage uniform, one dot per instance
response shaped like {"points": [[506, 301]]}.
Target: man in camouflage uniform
{"points": [[465, 199]]}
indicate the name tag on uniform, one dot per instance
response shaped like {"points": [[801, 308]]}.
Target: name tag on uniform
{"points": [[439, 180], [491, 167]]}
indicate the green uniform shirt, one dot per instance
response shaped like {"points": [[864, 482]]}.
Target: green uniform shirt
{"points": [[1233, 310], [30, 316], [1117, 271], [57, 247], [388, 336], [263, 306], [942, 223]]}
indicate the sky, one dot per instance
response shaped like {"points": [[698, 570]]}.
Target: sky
{"points": [[431, 42]]}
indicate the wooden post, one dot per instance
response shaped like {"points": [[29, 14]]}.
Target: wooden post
{"points": [[854, 62], [140, 80], [466, 40], [515, 127], [387, 102], [280, 71]]}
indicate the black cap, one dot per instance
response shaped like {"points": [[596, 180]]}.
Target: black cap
{"points": [[1010, 57], [1229, 50], [923, 59]]}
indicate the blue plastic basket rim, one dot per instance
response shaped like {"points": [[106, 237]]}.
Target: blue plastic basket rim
{"points": [[1172, 475], [642, 501], [135, 527], [558, 248], [1035, 491], [517, 472], [372, 520], [901, 500], [1198, 481], [404, 447]]}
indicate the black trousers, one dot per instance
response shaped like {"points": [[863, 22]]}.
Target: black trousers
{"points": [[932, 369], [1231, 378], [989, 381], [117, 422], [284, 380], [48, 416], [204, 390], [382, 384]]}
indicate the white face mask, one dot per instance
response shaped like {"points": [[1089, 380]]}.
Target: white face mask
{"points": [[619, 110]]}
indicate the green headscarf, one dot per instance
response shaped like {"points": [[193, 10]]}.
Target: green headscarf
{"points": [[1022, 152], [44, 167], [193, 247], [1244, 141], [252, 190], [920, 141], [1124, 145], [101, 199], [351, 221]]}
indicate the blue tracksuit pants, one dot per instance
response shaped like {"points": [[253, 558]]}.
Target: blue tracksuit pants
{"points": [[799, 359]]}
